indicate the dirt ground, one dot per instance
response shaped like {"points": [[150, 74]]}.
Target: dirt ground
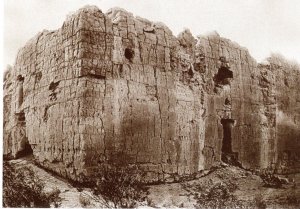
{"points": [[225, 187], [238, 189]]}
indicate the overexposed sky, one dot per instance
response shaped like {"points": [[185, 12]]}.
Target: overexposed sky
{"points": [[263, 26]]}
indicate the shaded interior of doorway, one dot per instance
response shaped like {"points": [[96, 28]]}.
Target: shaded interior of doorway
{"points": [[228, 156]]}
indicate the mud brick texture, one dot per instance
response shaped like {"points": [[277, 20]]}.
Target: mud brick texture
{"points": [[107, 88]]}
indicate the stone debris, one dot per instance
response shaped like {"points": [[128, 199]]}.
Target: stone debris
{"points": [[112, 86]]}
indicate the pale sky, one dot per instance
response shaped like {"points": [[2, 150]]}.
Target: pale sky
{"points": [[262, 26]]}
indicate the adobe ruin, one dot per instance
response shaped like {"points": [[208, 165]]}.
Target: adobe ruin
{"points": [[112, 86]]}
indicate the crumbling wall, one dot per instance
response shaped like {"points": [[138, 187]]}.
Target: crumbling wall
{"points": [[287, 114], [235, 93], [7, 95], [47, 99], [109, 88], [146, 115]]}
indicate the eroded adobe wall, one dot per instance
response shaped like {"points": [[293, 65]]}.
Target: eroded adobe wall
{"points": [[288, 114], [237, 99], [146, 116], [157, 101], [47, 100], [7, 95], [114, 88]]}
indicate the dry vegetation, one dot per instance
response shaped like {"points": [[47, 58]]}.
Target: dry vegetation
{"points": [[22, 188], [118, 187]]}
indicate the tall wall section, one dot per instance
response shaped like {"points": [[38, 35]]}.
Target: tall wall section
{"points": [[47, 100], [287, 84], [237, 97], [109, 88]]}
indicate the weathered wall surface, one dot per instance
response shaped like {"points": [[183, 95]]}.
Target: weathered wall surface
{"points": [[7, 94], [287, 114], [113, 87], [243, 99], [46, 100]]}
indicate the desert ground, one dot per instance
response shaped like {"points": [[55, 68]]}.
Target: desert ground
{"points": [[224, 186]]}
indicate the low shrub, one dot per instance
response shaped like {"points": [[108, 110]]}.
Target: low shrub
{"points": [[293, 200], [22, 188], [272, 181], [259, 202], [84, 201], [219, 195], [120, 185]]}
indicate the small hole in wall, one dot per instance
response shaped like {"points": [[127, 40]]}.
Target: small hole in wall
{"points": [[191, 72], [223, 76], [20, 117], [286, 82], [20, 78], [53, 85], [38, 76], [129, 54], [227, 101], [223, 59]]}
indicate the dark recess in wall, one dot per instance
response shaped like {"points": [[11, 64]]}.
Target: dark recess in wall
{"points": [[223, 76], [228, 156], [129, 54]]}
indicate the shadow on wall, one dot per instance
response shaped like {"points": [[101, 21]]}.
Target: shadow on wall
{"points": [[131, 142], [288, 145], [288, 135], [224, 75], [24, 148], [228, 156]]}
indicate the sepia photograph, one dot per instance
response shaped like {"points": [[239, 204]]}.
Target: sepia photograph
{"points": [[150, 104]]}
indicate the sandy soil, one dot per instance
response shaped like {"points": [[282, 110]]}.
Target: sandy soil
{"points": [[225, 187], [247, 189]]}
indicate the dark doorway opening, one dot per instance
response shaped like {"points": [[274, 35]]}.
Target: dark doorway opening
{"points": [[227, 128], [228, 156], [26, 151], [24, 147]]}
